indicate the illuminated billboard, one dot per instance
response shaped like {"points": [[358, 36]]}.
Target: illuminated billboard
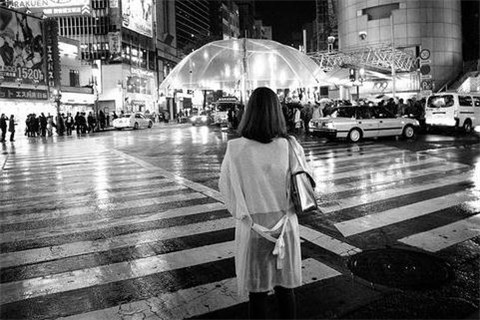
{"points": [[137, 16], [55, 7], [22, 48]]}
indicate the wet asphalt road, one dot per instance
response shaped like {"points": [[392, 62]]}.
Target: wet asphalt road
{"points": [[130, 225]]}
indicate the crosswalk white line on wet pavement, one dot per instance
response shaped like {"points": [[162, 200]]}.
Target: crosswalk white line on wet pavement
{"points": [[345, 155], [94, 196], [381, 178], [108, 222], [37, 255], [44, 164], [448, 235], [71, 171], [411, 211], [69, 191], [30, 288], [393, 192], [326, 177], [327, 242], [197, 300]]}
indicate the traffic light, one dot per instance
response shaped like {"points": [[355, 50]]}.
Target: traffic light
{"points": [[352, 75], [361, 74]]}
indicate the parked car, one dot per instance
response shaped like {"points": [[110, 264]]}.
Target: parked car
{"points": [[202, 118], [132, 120], [357, 122]]}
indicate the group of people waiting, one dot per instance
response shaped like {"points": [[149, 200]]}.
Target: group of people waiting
{"points": [[64, 124]]}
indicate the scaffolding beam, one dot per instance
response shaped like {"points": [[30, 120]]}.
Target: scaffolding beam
{"points": [[377, 58]]}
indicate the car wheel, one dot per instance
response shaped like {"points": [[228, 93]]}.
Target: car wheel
{"points": [[408, 132], [354, 135], [135, 126], [467, 126], [150, 124]]}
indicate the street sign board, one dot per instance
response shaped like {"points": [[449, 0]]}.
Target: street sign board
{"points": [[426, 84], [425, 76]]}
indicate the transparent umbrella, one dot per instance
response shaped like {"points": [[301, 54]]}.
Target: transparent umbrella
{"points": [[244, 64]]}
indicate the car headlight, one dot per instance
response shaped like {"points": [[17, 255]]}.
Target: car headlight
{"points": [[203, 118], [194, 118]]}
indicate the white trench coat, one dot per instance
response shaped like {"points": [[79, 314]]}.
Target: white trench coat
{"points": [[254, 183]]}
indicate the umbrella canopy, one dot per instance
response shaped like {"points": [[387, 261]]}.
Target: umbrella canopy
{"points": [[242, 64]]}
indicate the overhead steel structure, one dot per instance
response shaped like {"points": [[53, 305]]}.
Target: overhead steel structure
{"points": [[376, 58]]}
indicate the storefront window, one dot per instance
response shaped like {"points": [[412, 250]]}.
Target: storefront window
{"points": [[137, 84]]}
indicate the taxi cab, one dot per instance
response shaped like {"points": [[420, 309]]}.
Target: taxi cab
{"points": [[357, 122]]}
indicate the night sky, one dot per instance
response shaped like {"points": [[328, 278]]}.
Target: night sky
{"points": [[285, 16]]}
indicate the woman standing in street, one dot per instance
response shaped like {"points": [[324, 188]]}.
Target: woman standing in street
{"points": [[254, 181]]}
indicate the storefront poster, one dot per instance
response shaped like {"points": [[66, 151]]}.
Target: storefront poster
{"points": [[22, 55], [115, 45], [24, 94], [137, 16]]}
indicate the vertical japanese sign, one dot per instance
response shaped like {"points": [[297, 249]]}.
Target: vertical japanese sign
{"points": [[52, 53], [22, 55]]}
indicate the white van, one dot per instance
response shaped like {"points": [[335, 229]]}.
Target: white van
{"points": [[454, 110]]}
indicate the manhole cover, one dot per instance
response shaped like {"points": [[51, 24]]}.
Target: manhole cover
{"points": [[400, 268]]}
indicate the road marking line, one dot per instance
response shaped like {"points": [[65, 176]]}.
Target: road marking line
{"points": [[396, 215], [329, 243], [382, 177], [84, 199], [448, 235], [18, 258], [74, 211], [67, 191], [326, 177], [195, 301], [78, 279], [391, 193]]}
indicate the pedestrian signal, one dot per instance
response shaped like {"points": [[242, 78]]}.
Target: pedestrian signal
{"points": [[352, 75]]}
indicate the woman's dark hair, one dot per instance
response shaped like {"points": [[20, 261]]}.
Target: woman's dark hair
{"points": [[263, 119]]}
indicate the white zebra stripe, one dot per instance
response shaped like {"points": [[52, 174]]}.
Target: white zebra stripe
{"points": [[382, 177], [72, 249], [329, 243], [94, 196], [392, 216], [74, 211], [198, 300], [393, 192], [327, 176], [84, 278], [67, 192], [446, 236]]}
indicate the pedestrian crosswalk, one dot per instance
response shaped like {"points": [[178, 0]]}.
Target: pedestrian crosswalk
{"points": [[102, 234]]}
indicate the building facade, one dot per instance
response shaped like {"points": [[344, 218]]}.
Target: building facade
{"points": [[29, 65], [225, 19], [132, 44], [429, 28], [192, 23]]}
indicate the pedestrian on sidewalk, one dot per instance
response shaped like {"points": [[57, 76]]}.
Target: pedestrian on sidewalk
{"points": [[11, 128], [43, 124], [69, 123], [253, 183], [3, 126]]}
